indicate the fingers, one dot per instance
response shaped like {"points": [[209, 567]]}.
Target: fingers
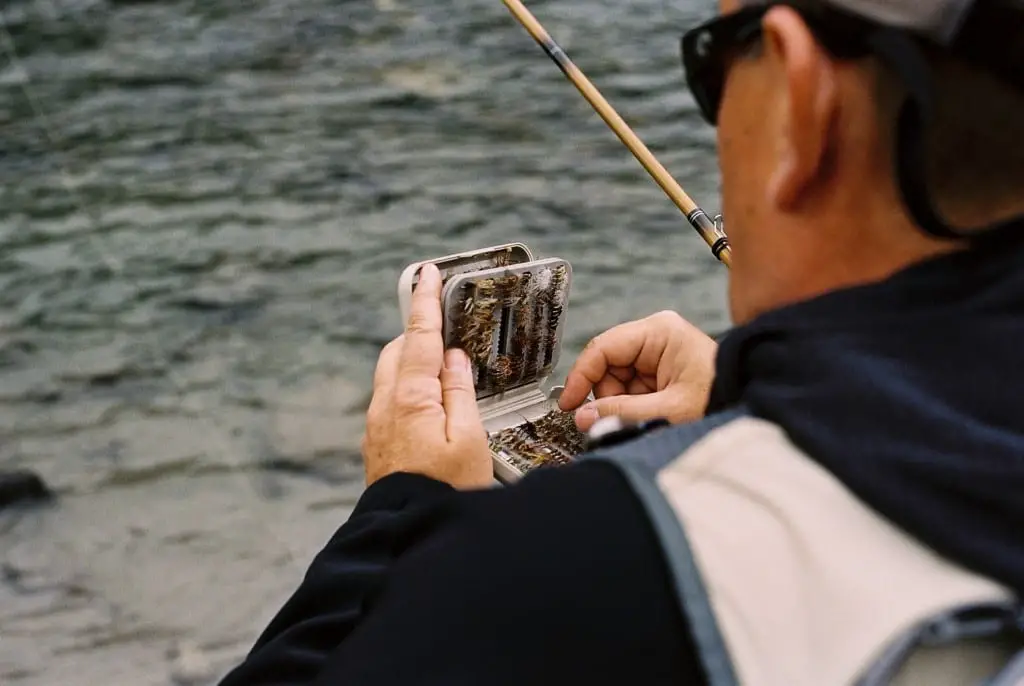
{"points": [[637, 344], [386, 373], [640, 386], [616, 347], [623, 374], [423, 416], [423, 350], [385, 376], [462, 416], [607, 386], [633, 408]]}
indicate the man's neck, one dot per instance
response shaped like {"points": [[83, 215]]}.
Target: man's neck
{"points": [[865, 238], [857, 248]]}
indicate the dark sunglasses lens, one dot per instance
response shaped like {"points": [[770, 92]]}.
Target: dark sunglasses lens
{"points": [[703, 69]]}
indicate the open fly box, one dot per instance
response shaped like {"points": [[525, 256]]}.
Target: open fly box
{"points": [[507, 311]]}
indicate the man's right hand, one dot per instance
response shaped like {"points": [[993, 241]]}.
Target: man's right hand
{"points": [[660, 366]]}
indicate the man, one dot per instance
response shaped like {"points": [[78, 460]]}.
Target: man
{"points": [[847, 464]]}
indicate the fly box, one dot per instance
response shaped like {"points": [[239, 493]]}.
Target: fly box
{"points": [[507, 310]]}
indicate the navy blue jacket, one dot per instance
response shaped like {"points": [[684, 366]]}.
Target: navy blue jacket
{"points": [[908, 390]]}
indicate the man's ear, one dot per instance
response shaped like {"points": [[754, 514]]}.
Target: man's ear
{"points": [[808, 106]]}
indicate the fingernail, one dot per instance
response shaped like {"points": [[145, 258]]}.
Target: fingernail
{"points": [[429, 272], [456, 361], [587, 415]]}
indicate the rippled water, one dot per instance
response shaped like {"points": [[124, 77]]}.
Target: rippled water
{"points": [[204, 208]]}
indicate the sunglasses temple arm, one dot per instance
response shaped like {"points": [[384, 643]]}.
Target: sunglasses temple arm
{"points": [[710, 230]]}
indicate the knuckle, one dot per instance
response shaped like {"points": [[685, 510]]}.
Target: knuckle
{"points": [[595, 342], [616, 335], [404, 402], [666, 317], [458, 385], [414, 396], [420, 323], [607, 342], [392, 344]]}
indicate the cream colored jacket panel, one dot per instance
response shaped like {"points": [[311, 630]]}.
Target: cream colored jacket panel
{"points": [[806, 584]]}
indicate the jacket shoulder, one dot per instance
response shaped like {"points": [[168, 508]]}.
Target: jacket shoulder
{"points": [[732, 494]]}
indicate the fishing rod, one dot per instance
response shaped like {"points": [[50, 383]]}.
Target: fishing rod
{"points": [[711, 231]]}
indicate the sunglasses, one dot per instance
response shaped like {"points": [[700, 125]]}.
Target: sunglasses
{"points": [[709, 49]]}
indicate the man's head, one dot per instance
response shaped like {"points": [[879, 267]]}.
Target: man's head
{"points": [[807, 145]]}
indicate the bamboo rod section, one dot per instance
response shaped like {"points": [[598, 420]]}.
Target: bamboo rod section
{"points": [[712, 235]]}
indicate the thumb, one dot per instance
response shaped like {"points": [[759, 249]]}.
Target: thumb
{"points": [[458, 395], [632, 408]]}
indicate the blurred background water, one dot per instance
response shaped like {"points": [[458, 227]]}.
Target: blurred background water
{"points": [[204, 209]]}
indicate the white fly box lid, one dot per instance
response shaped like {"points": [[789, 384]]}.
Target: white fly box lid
{"points": [[507, 311], [510, 322], [459, 263]]}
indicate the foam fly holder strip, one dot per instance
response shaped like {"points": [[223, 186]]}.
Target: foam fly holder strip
{"points": [[507, 310]]}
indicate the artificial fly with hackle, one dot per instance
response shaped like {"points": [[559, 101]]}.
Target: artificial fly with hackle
{"points": [[551, 440]]}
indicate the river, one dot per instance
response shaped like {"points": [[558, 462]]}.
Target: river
{"points": [[204, 209]]}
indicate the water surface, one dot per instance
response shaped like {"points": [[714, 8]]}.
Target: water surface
{"points": [[204, 208]]}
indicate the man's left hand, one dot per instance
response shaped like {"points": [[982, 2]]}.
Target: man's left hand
{"points": [[423, 417]]}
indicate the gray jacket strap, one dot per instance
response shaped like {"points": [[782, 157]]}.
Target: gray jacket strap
{"points": [[640, 461], [989, 620], [1012, 675]]}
